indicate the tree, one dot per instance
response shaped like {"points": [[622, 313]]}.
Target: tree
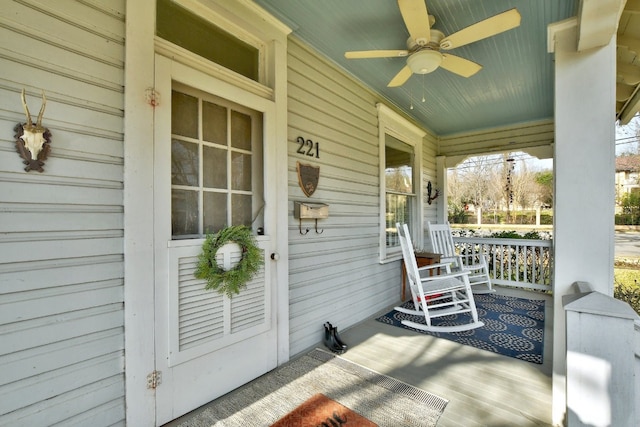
{"points": [[631, 203], [499, 182], [544, 181], [476, 179]]}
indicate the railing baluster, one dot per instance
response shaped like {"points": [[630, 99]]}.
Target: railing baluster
{"points": [[525, 263], [534, 264]]}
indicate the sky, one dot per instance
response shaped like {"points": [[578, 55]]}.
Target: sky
{"points": [[627, 137]]}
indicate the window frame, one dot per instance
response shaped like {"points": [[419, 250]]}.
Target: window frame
{"points": [[391, 123], [251, 30]]}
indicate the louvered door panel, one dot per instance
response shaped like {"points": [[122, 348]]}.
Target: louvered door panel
{"points": [[202, 321], [248, 309], [200, 312]]}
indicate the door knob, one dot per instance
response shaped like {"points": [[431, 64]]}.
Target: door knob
{"points": [[275, 256]]}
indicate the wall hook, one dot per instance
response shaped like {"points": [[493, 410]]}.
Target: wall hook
{"points": [[429, 197], [318, 232], [307, 230]]}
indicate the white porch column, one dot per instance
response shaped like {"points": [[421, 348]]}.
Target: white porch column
{"points": [[584, 181], [441, 176]]}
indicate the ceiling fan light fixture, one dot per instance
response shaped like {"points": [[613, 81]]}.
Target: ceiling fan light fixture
{"points": [[424, 61]]}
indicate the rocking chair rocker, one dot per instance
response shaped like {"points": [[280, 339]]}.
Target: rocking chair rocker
{"points": [[442, 243], [436, 295]]}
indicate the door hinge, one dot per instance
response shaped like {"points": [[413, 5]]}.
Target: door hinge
{"points": [[154, 379]]}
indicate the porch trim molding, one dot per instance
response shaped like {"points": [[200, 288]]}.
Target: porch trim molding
{"points": [[535, 138], [138, 229]]}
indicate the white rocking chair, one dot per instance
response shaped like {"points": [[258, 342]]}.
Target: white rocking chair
{"points": [[436, 295], [442, 243]]}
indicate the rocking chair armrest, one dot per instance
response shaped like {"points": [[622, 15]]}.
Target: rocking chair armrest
{"points": [[444, 276], [475, 266], [444, 265]]}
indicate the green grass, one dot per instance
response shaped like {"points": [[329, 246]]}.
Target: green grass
{"points": [[627, 285]]}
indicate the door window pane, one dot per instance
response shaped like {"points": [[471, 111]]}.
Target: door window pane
{"points": [[184, 163], [184, 212], [240, 131], [215, 167], [215, 211], [184, 115], [241, 171], [241, 205], [214, 123]]}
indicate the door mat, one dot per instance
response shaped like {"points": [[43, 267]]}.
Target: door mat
{"points": [[513, 326], [378, 398], [319, 410]]}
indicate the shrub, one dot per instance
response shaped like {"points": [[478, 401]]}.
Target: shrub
{"points": [[627, 219], [534, 235], [627, 287], [457, 215]]}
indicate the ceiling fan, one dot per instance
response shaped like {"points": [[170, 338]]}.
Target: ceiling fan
{"points": [[425, 44]]}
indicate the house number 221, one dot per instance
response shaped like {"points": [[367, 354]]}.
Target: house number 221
{"points": [[308, 147]]}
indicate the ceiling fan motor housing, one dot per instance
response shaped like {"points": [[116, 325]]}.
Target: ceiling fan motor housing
{"points": [[424, 61]]}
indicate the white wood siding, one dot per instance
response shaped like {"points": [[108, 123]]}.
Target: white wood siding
{"points": [[335, 276], [61, 231]]}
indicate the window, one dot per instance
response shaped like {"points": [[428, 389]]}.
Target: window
{"points": [[401, 201], [216, 158], [399, 189], [196, 34]]}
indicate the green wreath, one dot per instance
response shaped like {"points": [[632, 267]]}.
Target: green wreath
{"points": [[231, 281]]}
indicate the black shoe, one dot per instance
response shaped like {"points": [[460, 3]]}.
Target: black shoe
{"points": [[330, 341], [336, 337]]}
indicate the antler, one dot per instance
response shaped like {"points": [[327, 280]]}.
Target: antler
{"points": [[41, 113], [30, 125], [26, 110]]}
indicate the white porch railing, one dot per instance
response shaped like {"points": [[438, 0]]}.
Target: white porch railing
{"points": [[521, 263]]}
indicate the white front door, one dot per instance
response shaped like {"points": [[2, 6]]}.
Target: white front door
{"points": [[209, 171]]}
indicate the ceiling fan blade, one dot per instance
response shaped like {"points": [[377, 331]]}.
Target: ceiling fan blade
{"points": [[416, 18], [401, 77], [362, 54], [481, 30], [460, 66]]}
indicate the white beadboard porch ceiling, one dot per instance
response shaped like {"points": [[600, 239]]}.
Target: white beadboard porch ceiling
{"points": [[515, 84]]}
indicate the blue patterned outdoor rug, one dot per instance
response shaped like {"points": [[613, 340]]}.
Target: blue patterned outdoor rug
{"points": [[513, 326]]}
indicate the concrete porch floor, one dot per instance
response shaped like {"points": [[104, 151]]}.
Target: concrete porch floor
{"points": [[483, 388]]}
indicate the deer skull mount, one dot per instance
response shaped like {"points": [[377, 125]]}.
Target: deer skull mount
{"points": [[33, 140]]}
